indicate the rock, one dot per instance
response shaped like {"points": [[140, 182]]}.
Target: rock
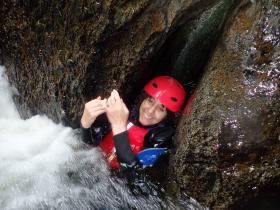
{"points": [[228, 147], [187, 49], [65, 53]]}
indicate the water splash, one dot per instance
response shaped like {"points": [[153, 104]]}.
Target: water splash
{"points": [[7, 108]]}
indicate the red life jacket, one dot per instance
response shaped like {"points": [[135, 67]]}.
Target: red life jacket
{"points": [[136, 136]]}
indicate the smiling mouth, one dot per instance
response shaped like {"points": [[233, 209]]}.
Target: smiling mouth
{"points": [[147, 116]]}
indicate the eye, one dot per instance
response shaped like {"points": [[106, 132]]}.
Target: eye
{"points": [[162, 108], [150, 100]]}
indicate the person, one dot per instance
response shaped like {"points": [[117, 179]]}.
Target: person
{"points": [[143, 128]]}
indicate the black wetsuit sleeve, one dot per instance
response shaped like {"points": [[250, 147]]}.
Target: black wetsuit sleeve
{"points": [[155, 138], [90, 136], [86, 135], [159, 137], [124, 152]]}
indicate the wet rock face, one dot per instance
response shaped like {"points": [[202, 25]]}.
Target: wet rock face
{"points": [[186, 51], [61, 53], [229, 145], [67, 52], [47, 47]]}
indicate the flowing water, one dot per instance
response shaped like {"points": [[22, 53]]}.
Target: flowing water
{"points": [[44, 165]]}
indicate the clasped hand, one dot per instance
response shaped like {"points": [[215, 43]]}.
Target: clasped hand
{"points": [[114, 107]]}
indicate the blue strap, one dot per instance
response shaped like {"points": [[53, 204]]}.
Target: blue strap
{"points": [[148, 157]]}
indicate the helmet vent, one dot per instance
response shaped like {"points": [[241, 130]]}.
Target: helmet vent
{"points": [[155, 85], [174, 99]]}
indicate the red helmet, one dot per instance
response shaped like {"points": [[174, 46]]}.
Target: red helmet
{"points": [[168, 91]]}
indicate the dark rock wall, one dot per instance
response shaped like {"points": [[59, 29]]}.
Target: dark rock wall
{"points": [[46, 47], [67, 52], [187, 49], [228, 148]]}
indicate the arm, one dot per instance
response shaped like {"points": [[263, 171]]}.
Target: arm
{"points": [[117, 114], [157, 143], [124, 152], [87, 135], [159, 137], [93, 135], [92, 110]]}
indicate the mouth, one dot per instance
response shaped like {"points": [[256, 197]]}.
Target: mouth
{"points": [[147, 116]]}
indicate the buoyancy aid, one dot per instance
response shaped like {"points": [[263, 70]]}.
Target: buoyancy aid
{"points": [[136, 136]]}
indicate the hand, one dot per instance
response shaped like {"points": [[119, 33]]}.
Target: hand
{"points": [[92, 110], [117, 113]]}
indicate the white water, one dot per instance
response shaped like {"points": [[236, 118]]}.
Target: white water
{"points": [[44, 165], [38, 158]]}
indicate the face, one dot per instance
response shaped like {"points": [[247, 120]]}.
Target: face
{"points": [[151, 112]]}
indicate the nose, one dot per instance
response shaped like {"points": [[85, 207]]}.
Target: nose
{"points": [[151, 109]]}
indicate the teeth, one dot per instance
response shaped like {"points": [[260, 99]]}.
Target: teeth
{"points": [[147, 116]]}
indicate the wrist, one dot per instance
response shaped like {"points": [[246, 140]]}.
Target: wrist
{"points": [[85, 123], [118, 129]]}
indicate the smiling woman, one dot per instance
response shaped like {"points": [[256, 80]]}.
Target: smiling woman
{"points": [[129, 133]]}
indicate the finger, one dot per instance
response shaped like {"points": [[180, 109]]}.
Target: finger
{"points": [[95, 102], [116, 94], [92, 102], [97, 99], [99, 112], [107, 104], [104, 103], [92, 110], [91, 107], [96, 114], [111, 100], [101, 102]]}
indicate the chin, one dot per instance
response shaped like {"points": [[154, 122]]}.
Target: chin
{"points": [[145, 123]]}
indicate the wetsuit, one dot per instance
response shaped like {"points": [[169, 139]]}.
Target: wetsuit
{"points": [[158, 136]]}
